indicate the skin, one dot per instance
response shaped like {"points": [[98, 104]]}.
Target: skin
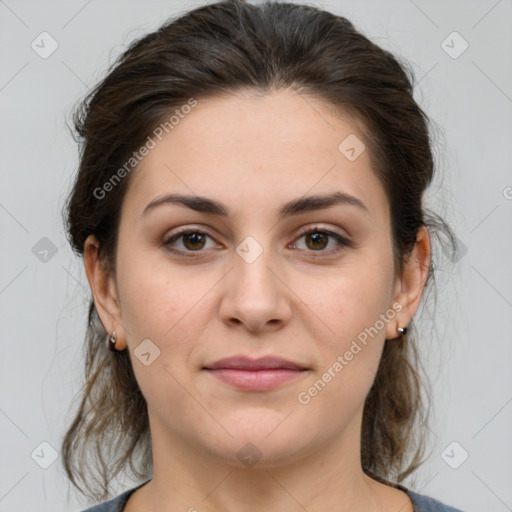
{"points": [[253, 153]]}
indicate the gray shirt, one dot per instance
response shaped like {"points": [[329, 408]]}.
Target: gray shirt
{"points": [[421, 503]]}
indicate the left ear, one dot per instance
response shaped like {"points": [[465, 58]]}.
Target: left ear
{"points": [[410, 285]]}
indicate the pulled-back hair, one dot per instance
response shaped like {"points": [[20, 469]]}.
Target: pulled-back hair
{"points": [[225, 48]]}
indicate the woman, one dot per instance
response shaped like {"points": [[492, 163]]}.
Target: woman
{"points": [[249, 210]]}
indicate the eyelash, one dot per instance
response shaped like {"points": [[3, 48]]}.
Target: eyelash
{"points": [[187, 231]]}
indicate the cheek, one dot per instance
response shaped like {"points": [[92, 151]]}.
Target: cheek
{"points": [[348, 360], [353, 303], [152, 299], [148, 307], [351, 358], [154, 309], [171, 310]]}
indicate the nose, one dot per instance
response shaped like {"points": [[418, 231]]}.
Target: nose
{"points": [[255, 296]]}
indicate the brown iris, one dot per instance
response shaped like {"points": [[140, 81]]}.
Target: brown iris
{"points": [[317, 238], [197, 241]]}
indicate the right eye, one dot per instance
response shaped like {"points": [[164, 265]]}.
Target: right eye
{"points": [[192, 240]]}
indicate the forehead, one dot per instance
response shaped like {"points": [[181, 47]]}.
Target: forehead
{"points": [[257, 148]]}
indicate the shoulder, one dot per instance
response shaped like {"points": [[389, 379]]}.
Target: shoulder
{"points": [[421, 502], [426, 504], [116, 504]]}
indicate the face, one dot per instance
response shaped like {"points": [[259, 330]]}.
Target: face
{"points": [[313, 284]]}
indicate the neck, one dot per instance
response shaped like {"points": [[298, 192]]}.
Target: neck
{"points": [[329, 477]]}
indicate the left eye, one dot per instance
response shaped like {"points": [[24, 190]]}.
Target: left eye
{"points": [[317, 240]]}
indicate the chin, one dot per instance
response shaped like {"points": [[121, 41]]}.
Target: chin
{"points": [[261, 446]]}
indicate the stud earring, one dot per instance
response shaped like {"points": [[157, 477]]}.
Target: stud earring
{"points": [[111, 342], [402, 331]]}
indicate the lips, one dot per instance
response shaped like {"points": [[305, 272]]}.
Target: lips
{"points": [[255, 375], [262, 363]]}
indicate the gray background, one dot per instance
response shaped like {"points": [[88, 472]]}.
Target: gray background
{"points": [[466, 351]]}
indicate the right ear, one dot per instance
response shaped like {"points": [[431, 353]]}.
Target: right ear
{"points": [[104, 291]]}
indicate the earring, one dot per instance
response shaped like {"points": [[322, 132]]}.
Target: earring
{"points": [[111, 342], [402, 331]]}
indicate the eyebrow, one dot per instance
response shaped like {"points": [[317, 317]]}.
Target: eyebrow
{"points": [[302, 205]]}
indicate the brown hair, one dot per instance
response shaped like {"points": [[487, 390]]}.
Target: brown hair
{"points": [[221, 48]]}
